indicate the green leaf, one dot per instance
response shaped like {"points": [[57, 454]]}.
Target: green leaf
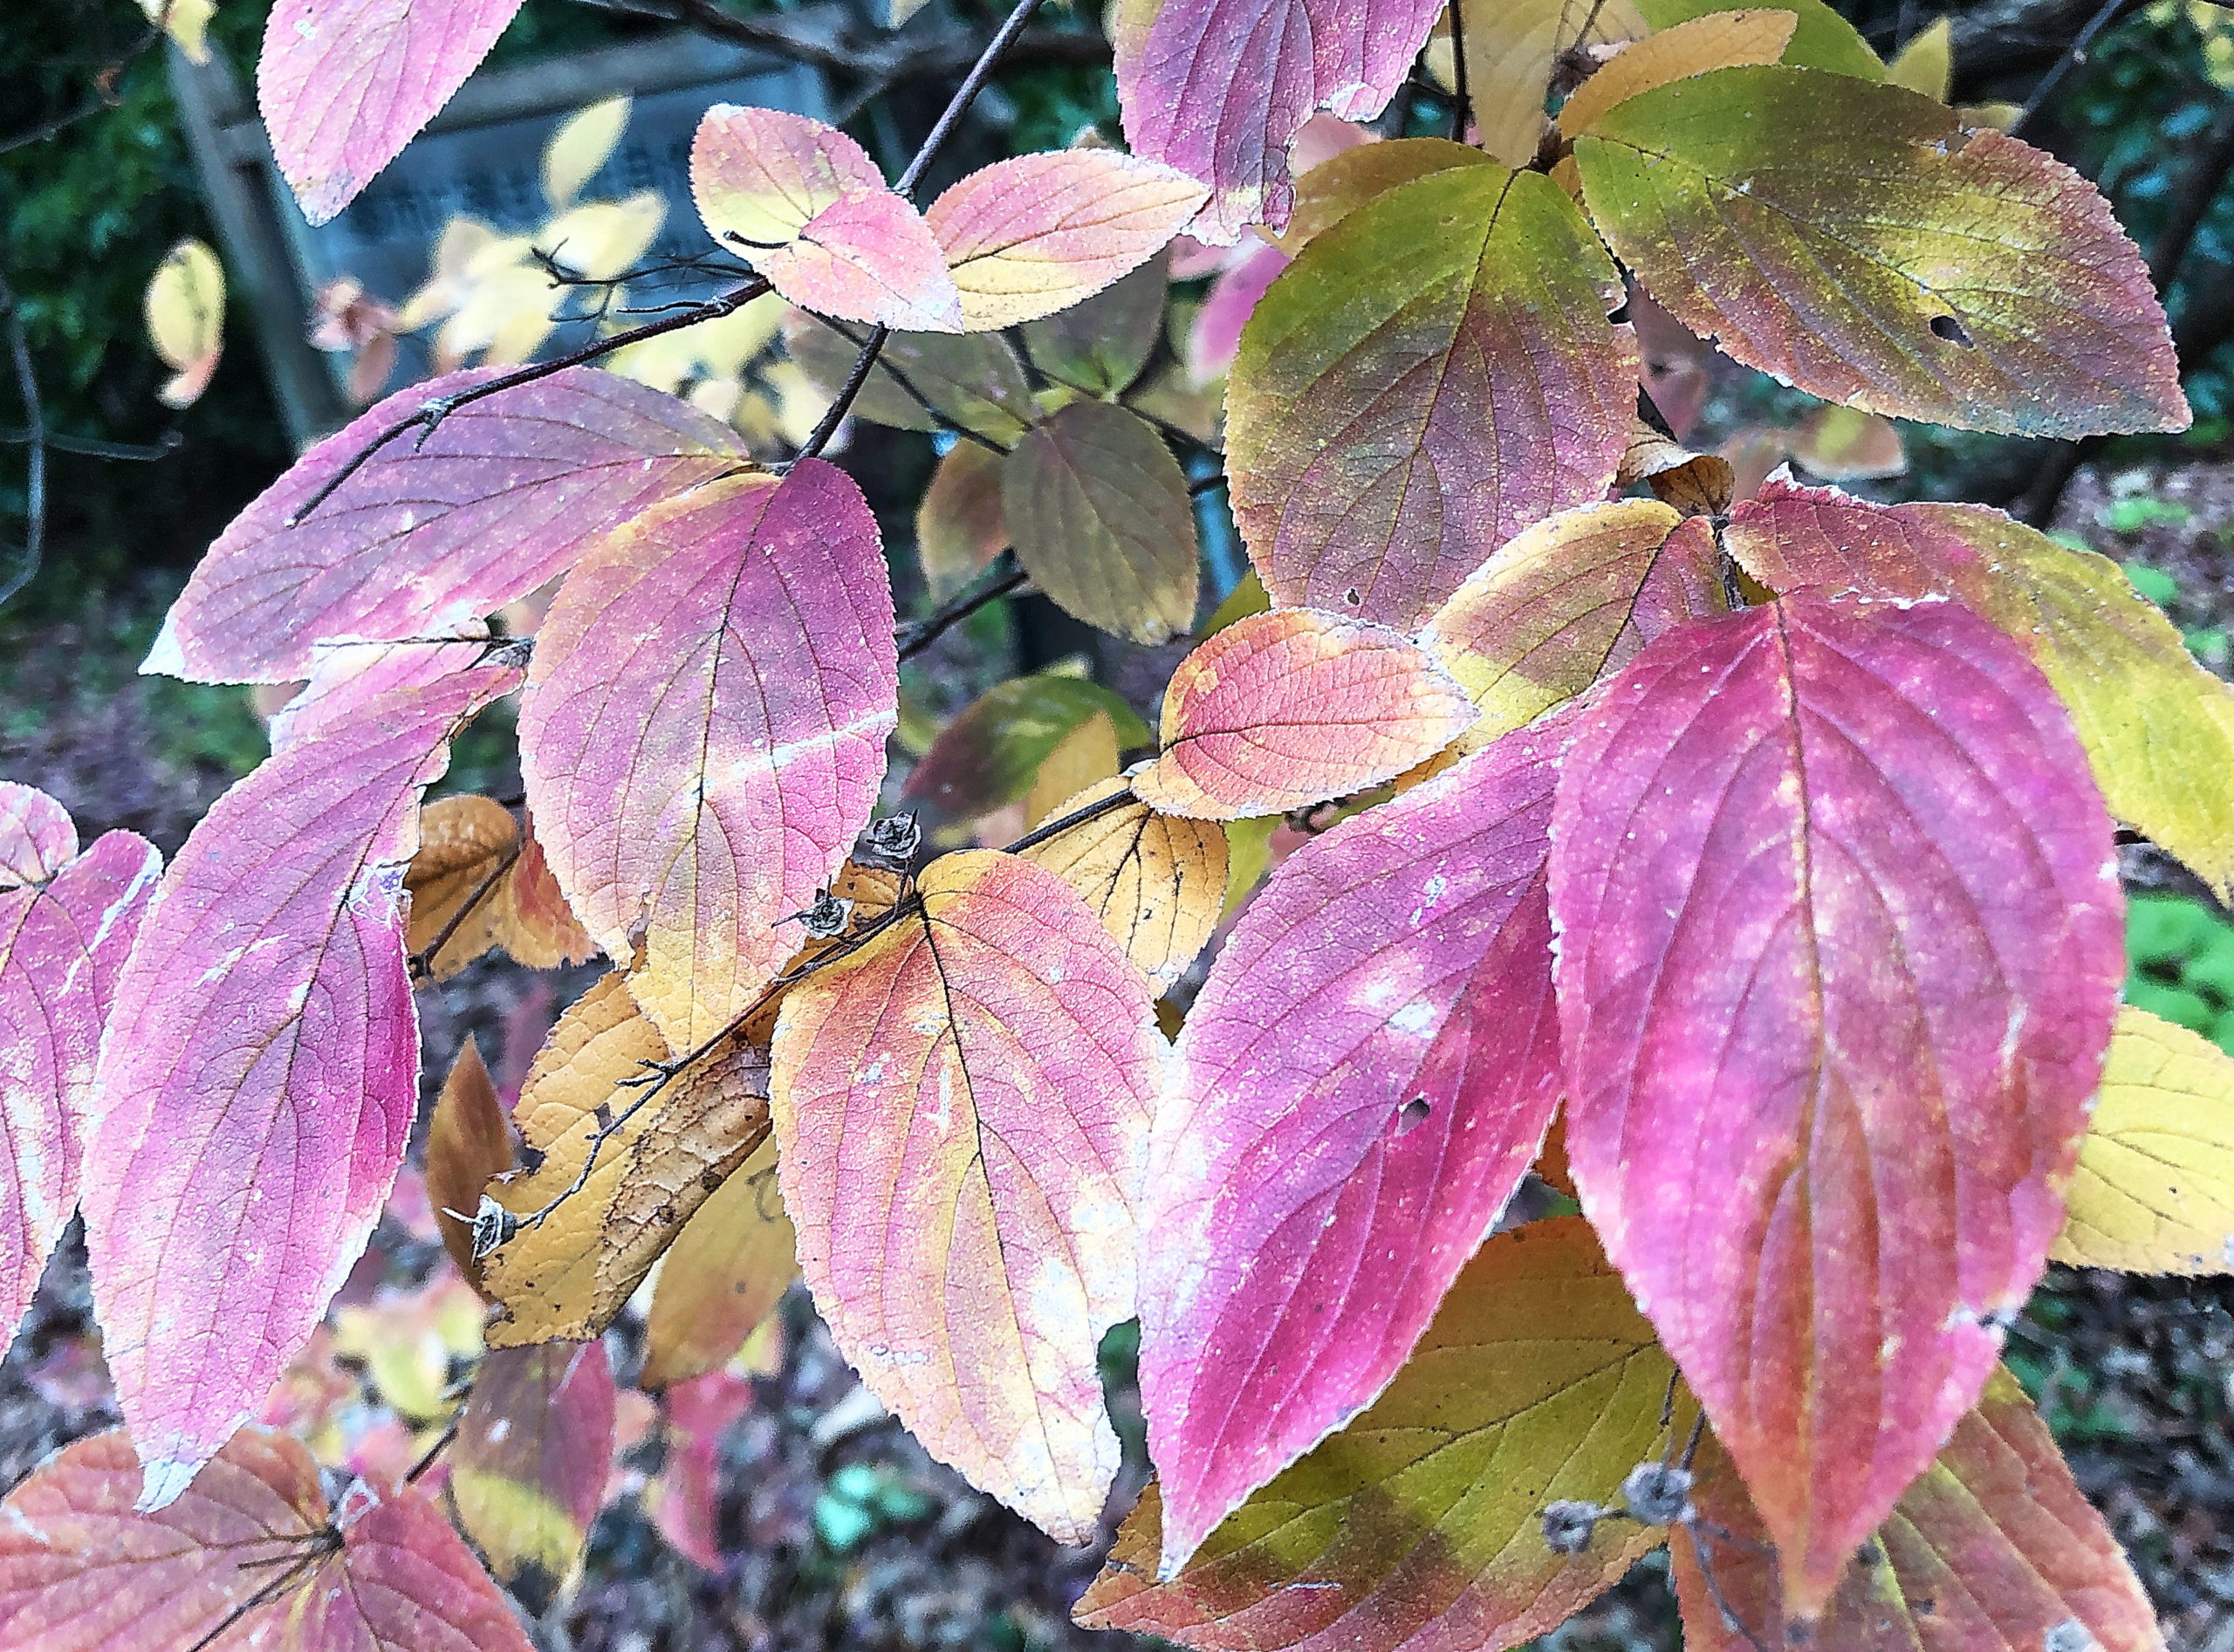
{"points": [[987, 757], [1859, 242], [1100, 515], [1822, 40], [1101, 346]]}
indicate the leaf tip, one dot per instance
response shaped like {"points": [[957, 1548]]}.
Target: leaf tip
{"points": [[162, 1482]]}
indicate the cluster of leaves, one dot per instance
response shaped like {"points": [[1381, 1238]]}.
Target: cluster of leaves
{"points": [[1744, 867]]}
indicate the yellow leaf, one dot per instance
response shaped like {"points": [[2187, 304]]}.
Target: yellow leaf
{"points": [[1512, 47], [722, 1277], [1157, 881], [408, 1339], [2154, 1192], [2158, 729], [602, 239], [1086, 756], [666, 1148], [580, 146], [187, 22], [1927, 63], [1537, 1381], [185, 308], [1719, 40]]}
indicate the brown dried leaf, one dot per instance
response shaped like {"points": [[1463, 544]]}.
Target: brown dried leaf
{"points": [[667, 1149], [466, 844], [468, 1143]]}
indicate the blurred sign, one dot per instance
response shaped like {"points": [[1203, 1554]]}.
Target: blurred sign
{"points": [[480, 158]]}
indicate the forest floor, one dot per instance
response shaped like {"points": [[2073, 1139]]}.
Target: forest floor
{"points": [[832, 1527]]}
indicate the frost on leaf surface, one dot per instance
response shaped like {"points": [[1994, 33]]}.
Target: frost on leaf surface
{"points": [[258, 1084], [1362, 1082], [703, 731], [961, 1112], [1839, 954]]}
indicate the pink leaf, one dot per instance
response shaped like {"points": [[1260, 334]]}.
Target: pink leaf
{"points": [[1841, 952], [261, 1071], [1215, 338], [404, 1581], [347, 677], [703, 734], [1219, 88], [529, 1466], [346, 84], [1037, 233], [429, 537], [1365, 1078], [699, 1412], [63, 939], [807, 208]]}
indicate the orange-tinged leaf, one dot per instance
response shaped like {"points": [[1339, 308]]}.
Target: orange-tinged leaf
{"points": [[1569, 601], [1718, 40], [528, 1467], [1393, 419], [530, 917], [1420, 1524], [807, 208], [1157, 881], [959, 527], [467, 845], [569, 1276], [1995, 1549], [1099, 514], [961, 1112], [1698, 484], [1030, 235], [1858, 241], [870, 892], [468, 1142], [1293, 707], [703, 730], [722, 1276], [2154, 1192]]}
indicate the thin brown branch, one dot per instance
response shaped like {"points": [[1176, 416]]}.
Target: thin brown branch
{"points": [[919, 636]]}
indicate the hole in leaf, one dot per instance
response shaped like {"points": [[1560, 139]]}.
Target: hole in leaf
{"points": [[1352, 596], [1619, 315], [1412, 1114], [1949, 328]]}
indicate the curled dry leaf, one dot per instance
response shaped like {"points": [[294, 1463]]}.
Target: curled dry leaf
{"points": [[1871, 249], [2158, 729], [1282, 710], [437, 530], [1030, 235], [1996, 1549], [1395, 420], [185, 306], [722, 1277], [1866, 1077], [703, 730], [344, 85], [1420, 1524], [652, 1155], [467, 845], [2154, 1192], [528, 1467], [1718, 40], [1698, 484], [468, 1144], [1100, 517], [1361, 1083], [962, 1114], [82, 1571], [260, 1074], [67, 923], [1219, 88], [807, 207], [1157, 881], [1570, 601]]}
